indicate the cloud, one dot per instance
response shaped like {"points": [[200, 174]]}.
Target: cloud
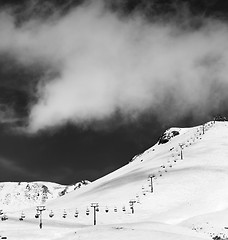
{"points": [[7, 115], [107, 63]]}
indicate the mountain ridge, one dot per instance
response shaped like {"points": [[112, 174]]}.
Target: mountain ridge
{"points": [[19, 195]]}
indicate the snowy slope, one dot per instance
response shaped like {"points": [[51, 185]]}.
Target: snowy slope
{"points": [[126, 183], [189, 198], [19, 195]]}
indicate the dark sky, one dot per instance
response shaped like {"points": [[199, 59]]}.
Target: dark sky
{"points": [[72, 152]]}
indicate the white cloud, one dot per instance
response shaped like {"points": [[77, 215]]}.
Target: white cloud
{"points": [[108, 63]]}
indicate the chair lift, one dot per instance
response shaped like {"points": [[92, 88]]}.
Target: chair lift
{"points": [[76, 213], [51, 214], [115, 209], [37, 215], [22, 216], [87, 211], [106, 209], [124, 209], [64, 214], [4, 217]]}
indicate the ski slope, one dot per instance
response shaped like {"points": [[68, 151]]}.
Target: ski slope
{"points": [[189, 198]]}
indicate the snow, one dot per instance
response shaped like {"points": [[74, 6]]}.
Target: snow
{"points": [[189, 201], [19, 195], [112, 232]]}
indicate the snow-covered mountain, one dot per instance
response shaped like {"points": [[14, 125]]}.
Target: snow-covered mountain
{"points": [[19, 195], [188, 198], [163, 160]]}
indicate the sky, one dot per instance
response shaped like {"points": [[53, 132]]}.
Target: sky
{"points": [[86, 85]]}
